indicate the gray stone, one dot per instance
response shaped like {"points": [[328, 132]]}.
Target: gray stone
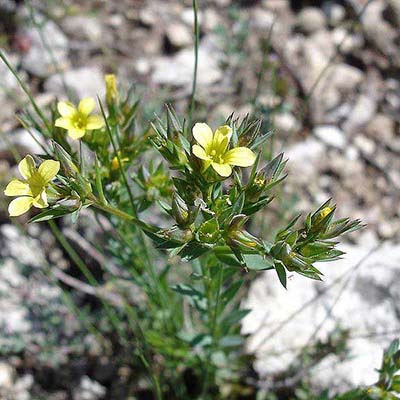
{"points": [[359, 293], [331, 135], [48, 52], [83, 27], [311, 19], [81, 82]]}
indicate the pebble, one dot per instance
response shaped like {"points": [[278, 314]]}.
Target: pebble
{"points": [[311, 19], [330, 135]]}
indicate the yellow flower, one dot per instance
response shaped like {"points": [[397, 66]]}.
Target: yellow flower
{"points": [[77, 120], [213, 149], [31, 190]]}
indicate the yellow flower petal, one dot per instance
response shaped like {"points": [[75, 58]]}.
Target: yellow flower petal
{"points": [[19, 206], [63, 122], [18, 188], [86, 105], [94, 122], [48, 169], [27, 167], [240, 156], [222, 136], [203, 135], [76, 133], [199, 152], [40, 201], [222, 169], [66, 109]]}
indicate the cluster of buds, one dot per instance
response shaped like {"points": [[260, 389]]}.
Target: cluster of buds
{"points": [[298, 249]]}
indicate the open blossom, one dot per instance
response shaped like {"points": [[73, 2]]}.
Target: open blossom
{"points": [[77, 120], [213, 149], [31, 190]]}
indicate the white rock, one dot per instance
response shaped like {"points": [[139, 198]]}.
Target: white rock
{"points": [[6, 375], [48, 51], [178, 70], [286, 122], [365, 145], [262, 19], [179, 35], [363, 111], [348, 42], [330, 135], [311, 19], [89, 389], [81, 82], [335, 12], [360, 293], [304, 156]]}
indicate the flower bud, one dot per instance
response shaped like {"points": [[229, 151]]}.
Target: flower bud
{"points": [[67, 165], [111, 89], [180, 211]]}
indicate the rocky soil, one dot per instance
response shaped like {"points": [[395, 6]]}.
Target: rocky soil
{"points": [[326, 75]]}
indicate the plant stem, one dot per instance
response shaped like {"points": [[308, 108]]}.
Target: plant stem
{"points": [[196, 61], [125, 216], [213, 330], [108, 129]]}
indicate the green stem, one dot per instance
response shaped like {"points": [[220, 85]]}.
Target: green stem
{"points": [[108, 129], [125, 216], [213, 329], [196, 60]]}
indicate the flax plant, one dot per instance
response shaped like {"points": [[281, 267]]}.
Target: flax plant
{"points": [[190, 267]]}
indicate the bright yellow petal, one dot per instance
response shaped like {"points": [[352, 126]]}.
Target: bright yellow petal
{"points": [[222, 169], [66, 109], [240, 156], [20, 206], [40, 201], [203, 135], [94, 122], [27, 167], [86, 105], [199, 152], [48, 169], [76, 133], [18, 188], [64, 123], [222, 136]]}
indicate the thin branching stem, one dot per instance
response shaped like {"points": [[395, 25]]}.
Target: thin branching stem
{"points": [[196, 61]]}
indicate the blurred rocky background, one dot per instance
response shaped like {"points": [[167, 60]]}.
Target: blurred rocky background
{"points": [[324, 74]]}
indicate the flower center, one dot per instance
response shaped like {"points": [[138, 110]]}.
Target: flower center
{"points": [[79, 121], [216, 157]]}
